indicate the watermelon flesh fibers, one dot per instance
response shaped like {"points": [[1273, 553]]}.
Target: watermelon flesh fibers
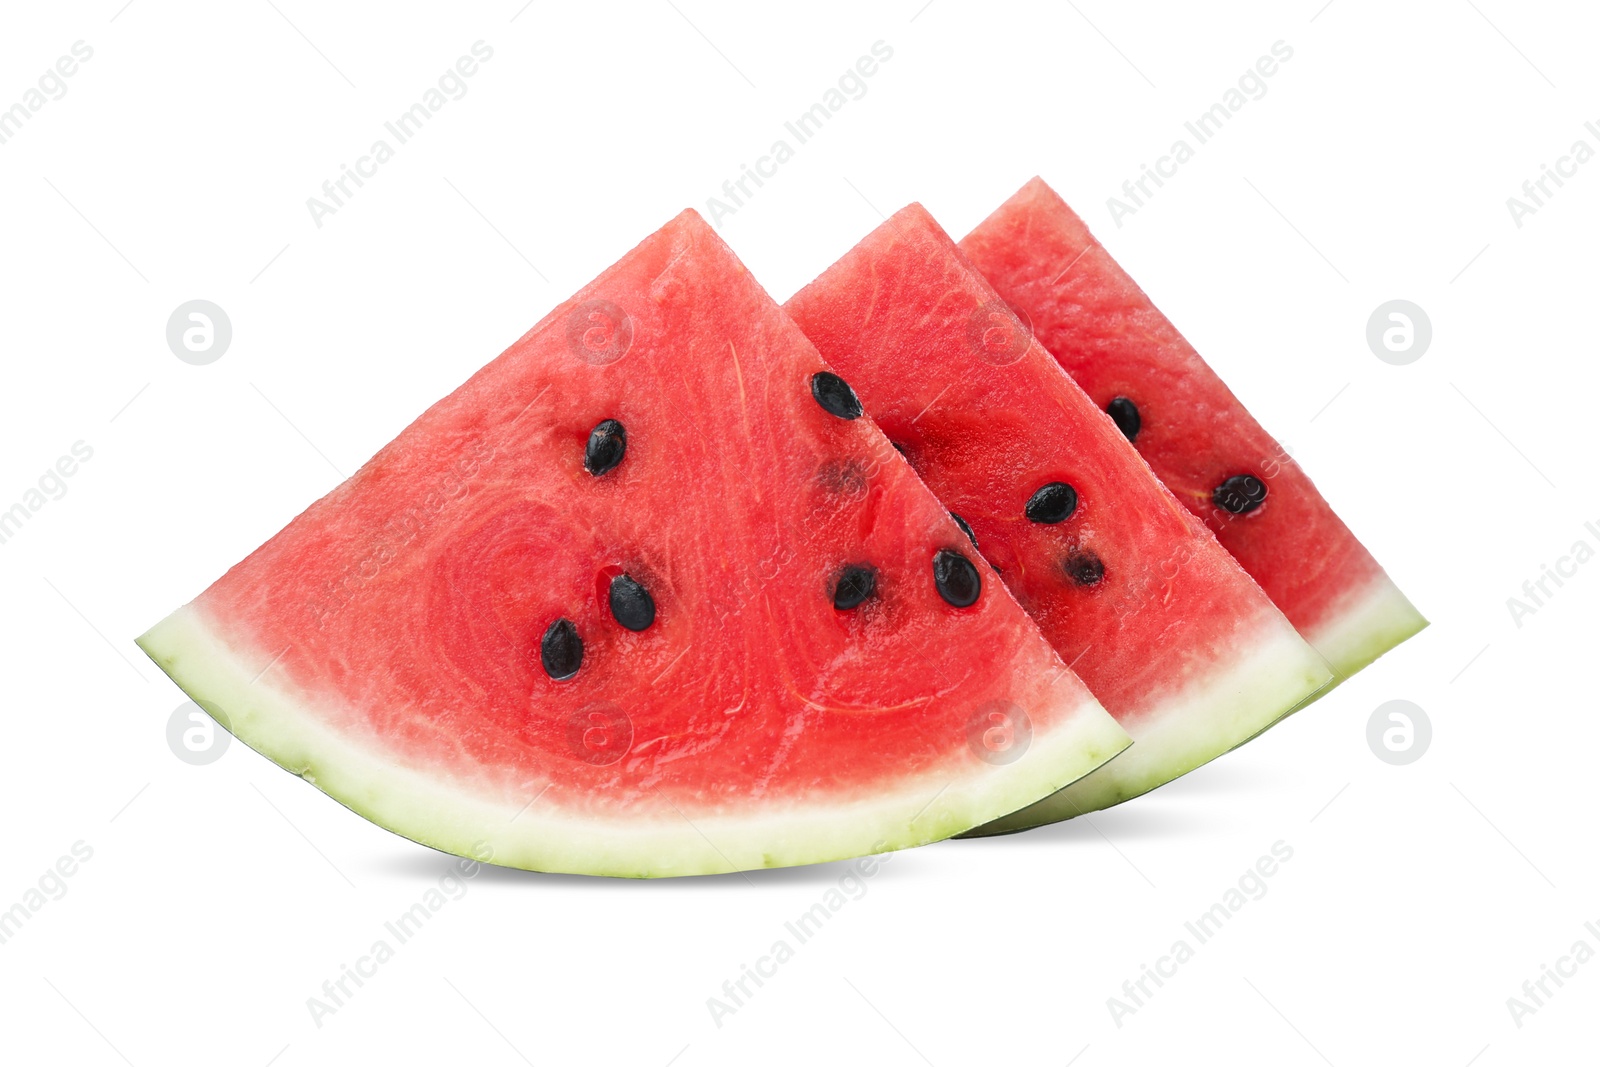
{"points": [[439, 643], [1160, 622], [1193, 432]]}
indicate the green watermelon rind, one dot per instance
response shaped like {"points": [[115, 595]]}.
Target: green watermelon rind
{"points": [[1271, 671], [508, 831], [1372, 620], [1371, 615]]}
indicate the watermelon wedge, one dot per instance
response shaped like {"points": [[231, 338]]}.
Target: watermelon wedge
{"points": [[1165, 627], [1195, 434], [642, 597]]}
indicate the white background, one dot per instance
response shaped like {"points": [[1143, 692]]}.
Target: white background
{"points": [[219, 898]]}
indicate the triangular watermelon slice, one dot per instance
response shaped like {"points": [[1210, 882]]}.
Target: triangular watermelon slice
{"points": [[1167, 630], [643, 597], [1193, 431]]}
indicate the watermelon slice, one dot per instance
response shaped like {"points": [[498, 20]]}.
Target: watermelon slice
{"points": [[1164, 626], [1195, 434], [643, 597]]}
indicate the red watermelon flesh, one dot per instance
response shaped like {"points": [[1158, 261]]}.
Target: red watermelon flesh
{"points": [[401, 644], [1167, 630], [1191, 429]]}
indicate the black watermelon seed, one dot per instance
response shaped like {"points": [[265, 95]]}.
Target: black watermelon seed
{"points": [[561, 651], [1052, 503], [835, 395], [956, 578], [605, 448], [965, 529], [1125, 413], [1084, 568], [608, 441], [855, 584], [1240, 494], [631, 604]]}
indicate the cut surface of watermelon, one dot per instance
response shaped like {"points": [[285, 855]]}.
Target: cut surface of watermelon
{"points": [[581, 615], [1191, 429], [1164, 626]]}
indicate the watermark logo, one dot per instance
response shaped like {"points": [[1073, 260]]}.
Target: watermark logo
{"points": [[999, 732], [195, 737], [1399, 732], [199, 332], [1399, 332], [998, 334], [600, 734], [599, 332]]}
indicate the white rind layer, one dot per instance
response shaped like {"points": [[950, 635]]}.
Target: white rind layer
{"points": [[674, 838], [1275, 670], [1371, 621]]}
